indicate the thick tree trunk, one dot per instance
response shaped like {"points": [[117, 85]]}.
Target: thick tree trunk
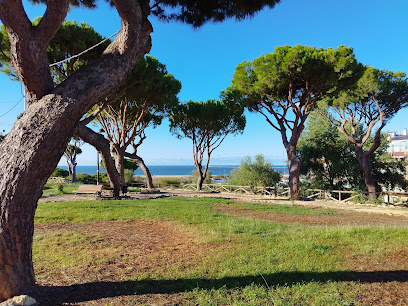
{"points": [[102, 145], [367, 167], [31, 151], [140, 162], [294, 175]]}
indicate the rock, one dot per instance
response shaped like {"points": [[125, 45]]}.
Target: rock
{"points": [[21, 300]]}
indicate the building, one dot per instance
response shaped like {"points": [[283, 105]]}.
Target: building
{"points": [[398, 147]]}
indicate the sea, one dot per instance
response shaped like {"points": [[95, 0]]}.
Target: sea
{"points": [[173, 170]]}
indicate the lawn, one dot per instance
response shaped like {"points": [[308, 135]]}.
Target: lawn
{"points": [[185, 251]]}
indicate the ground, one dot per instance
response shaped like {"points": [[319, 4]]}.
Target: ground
{"points": [[145, 245]]}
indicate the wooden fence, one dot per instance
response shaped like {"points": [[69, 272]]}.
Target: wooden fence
{"points": [[341, 196]]}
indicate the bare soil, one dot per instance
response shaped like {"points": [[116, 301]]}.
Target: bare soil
{"points": [[344, 217], [141, 247]]}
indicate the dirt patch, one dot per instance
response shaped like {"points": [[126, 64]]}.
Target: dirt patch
{"points": [[142, 247], [384, 279], [343, 218]]}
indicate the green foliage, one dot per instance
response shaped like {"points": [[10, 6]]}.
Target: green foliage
{"points": [[194, 177], [130, 164], [58, 172], [328, 158], [84, 178], [61, 188], [71, 39], [255, 173], [198, 13], [206, 121], [330, 162], [129, 175], [307, 74], [376, 91], [145, 98]]}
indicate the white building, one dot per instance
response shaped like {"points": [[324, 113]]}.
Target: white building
{"points": [[398, 147]]}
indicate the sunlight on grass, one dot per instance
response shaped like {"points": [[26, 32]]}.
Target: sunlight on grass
{"points": [[243, 261]]}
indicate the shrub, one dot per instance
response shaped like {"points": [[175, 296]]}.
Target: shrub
{"points": [[256, 173], [129, 176], [84, 178], [58, 172], [194, 177], [60, 188], [103, 177]]}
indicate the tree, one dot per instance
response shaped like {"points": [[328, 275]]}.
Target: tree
{"points": [[379, 94], [327, 157], [32, 149], [286, 85], [71, 152], [255, 173], [206, 124], [148, 94]]}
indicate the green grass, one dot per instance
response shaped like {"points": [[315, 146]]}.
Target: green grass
{"points": [[52, 188], [286, 209], [247, 261]]}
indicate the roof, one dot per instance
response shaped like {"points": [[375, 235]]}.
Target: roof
{"points": [[399, 137]]}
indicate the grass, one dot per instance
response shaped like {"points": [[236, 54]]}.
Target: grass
{"points": [[53, 188], [246, 261], [286, 209]]}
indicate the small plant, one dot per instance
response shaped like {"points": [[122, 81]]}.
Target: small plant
{"points": [[359, 198], [60, 188]]}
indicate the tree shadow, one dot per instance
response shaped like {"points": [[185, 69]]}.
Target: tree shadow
{"points": [[57, 295]]}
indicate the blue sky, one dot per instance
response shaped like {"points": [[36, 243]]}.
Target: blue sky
{"points": [[204, 60]]}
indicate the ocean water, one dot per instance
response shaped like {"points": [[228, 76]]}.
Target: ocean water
{"points": [[172, 170]]}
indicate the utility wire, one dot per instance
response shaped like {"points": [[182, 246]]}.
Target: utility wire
{"points": [[12, 107], [83, 52]]}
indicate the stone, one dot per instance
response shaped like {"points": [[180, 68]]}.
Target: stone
{"points": [[21, 300]]}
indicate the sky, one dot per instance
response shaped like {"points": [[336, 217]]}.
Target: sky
{"points": [[205, 59]]}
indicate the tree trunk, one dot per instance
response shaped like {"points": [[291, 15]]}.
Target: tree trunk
{"points": [[102, 145], [367, 167], [120, 166], [74, 172], [140, 162], [294, 175], [200, 182], [31, 151], [200, 179]]}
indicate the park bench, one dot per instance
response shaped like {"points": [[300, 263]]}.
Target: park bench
{"points": [[89, 189]]}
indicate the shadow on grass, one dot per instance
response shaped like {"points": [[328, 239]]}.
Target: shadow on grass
{"points": [[57, 295]]}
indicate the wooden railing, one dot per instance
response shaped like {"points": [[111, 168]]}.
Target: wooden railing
{"points": [[341, 196]]}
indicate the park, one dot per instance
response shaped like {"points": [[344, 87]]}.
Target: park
{"points": [[332, 232]]}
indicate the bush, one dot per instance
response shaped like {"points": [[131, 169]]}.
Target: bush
{"points": [[165, 181], [129, 176], [194, 177], [61, 188], [103, 177], [84, 178], [257, 173], [58, 172]]}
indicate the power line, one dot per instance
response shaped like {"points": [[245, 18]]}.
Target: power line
{"points": [[12, 107], [87, 50]]}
